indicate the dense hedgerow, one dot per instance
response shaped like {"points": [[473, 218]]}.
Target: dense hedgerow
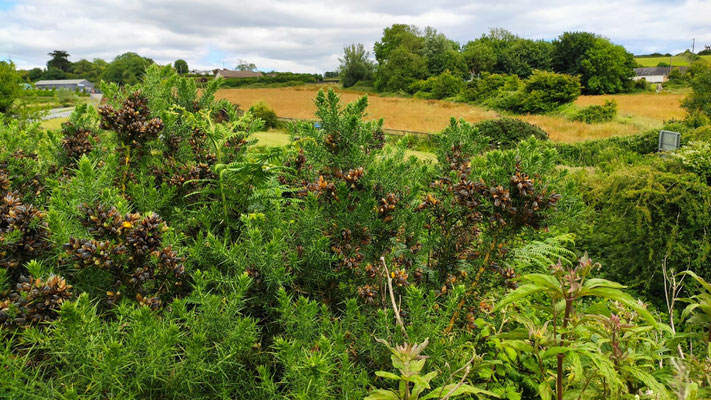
{"points": [[164, 256], [539, 93]]}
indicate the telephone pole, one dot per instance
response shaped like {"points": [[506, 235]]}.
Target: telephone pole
{"points": [[693, 42]]}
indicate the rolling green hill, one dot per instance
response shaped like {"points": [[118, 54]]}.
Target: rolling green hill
{"points": [[676, 61]]}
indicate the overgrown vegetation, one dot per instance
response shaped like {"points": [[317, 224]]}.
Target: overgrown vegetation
{"points": [[149, 250], [594, 114]]}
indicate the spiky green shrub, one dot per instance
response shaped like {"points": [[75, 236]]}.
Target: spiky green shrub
{"points": [[506, 133]]}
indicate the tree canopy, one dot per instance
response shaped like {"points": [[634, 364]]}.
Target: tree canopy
{"points": [[355, 65], [603, 66], [181, 66], [59, 60], [126, 69]]}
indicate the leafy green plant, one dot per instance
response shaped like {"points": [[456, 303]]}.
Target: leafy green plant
{"points": [[595, 114], [698, 312], [438, 87], [564, 288], [413, 383], [262, 111], [697, 157]]}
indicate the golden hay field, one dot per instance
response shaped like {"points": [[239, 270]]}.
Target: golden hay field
{"points": [[638, 112]]}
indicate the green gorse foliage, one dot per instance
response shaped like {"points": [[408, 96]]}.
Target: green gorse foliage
{"points": [[150, 250]]}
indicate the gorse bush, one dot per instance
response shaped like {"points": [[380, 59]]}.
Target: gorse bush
{"points": [[151, 251], [508, 132]]}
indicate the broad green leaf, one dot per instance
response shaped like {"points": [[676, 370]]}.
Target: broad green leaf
{"points": [[624, 298], [700, 280], [598, 282], [422, 383], [381, 394], [554, 351], [650, 381], [544, 280], [518, 294], [464, 389], [417, 365], [387, 375], [688, 309], [545, 391]]}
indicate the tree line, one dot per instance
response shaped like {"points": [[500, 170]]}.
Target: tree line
{"points": [[125, 69], [407, 54]]}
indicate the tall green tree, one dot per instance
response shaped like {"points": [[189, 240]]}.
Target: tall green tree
{"points": [[400, 58], [607, 68], [479, 57], [88, 70], [9, 85], [523, 56], [513, 54], [34, 74], [126, 69], [54, 73], [603, 66], [181, 66], [59, 60], [400, 70], [569, 50], [355, 65], [245, 66], [442, 54], [399, 35]]}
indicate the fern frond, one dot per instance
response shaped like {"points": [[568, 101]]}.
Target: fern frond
{"points": [[542, 254]]}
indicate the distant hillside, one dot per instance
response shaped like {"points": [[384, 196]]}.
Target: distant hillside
{"points": [[676, 60]]}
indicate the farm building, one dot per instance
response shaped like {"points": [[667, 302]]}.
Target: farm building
{"points": [[226, 73], [654, 74], [205, 72], [81, 85]]}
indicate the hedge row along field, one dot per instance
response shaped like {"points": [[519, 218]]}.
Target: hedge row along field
{"points": [[149, 250]]}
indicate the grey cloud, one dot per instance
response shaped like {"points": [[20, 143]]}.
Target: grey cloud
{"points": [[309, 36]]}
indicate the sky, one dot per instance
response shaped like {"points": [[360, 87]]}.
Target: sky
{"points": [[309, 36]]}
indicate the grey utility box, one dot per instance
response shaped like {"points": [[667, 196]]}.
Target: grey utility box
{"points": [[669, 140]]}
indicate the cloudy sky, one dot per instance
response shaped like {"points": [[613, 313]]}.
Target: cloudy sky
{"points": [[309, 36]]}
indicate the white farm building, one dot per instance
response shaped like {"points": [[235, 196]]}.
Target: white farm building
{"points": [[654, 74], [80, 85]]}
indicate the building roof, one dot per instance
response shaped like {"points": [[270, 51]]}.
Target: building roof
{"points": [[652, 71], [62, 82], [239, 74]]}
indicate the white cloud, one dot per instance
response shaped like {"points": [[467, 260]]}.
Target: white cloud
{"points": [[309, 36]]}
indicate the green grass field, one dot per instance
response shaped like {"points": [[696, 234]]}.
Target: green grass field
{"points": [[679, 61], [53, 124]]}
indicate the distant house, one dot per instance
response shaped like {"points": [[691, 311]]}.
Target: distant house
{"points": [[655, 74], [226, 73], [81, 85], [201, 72]]}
